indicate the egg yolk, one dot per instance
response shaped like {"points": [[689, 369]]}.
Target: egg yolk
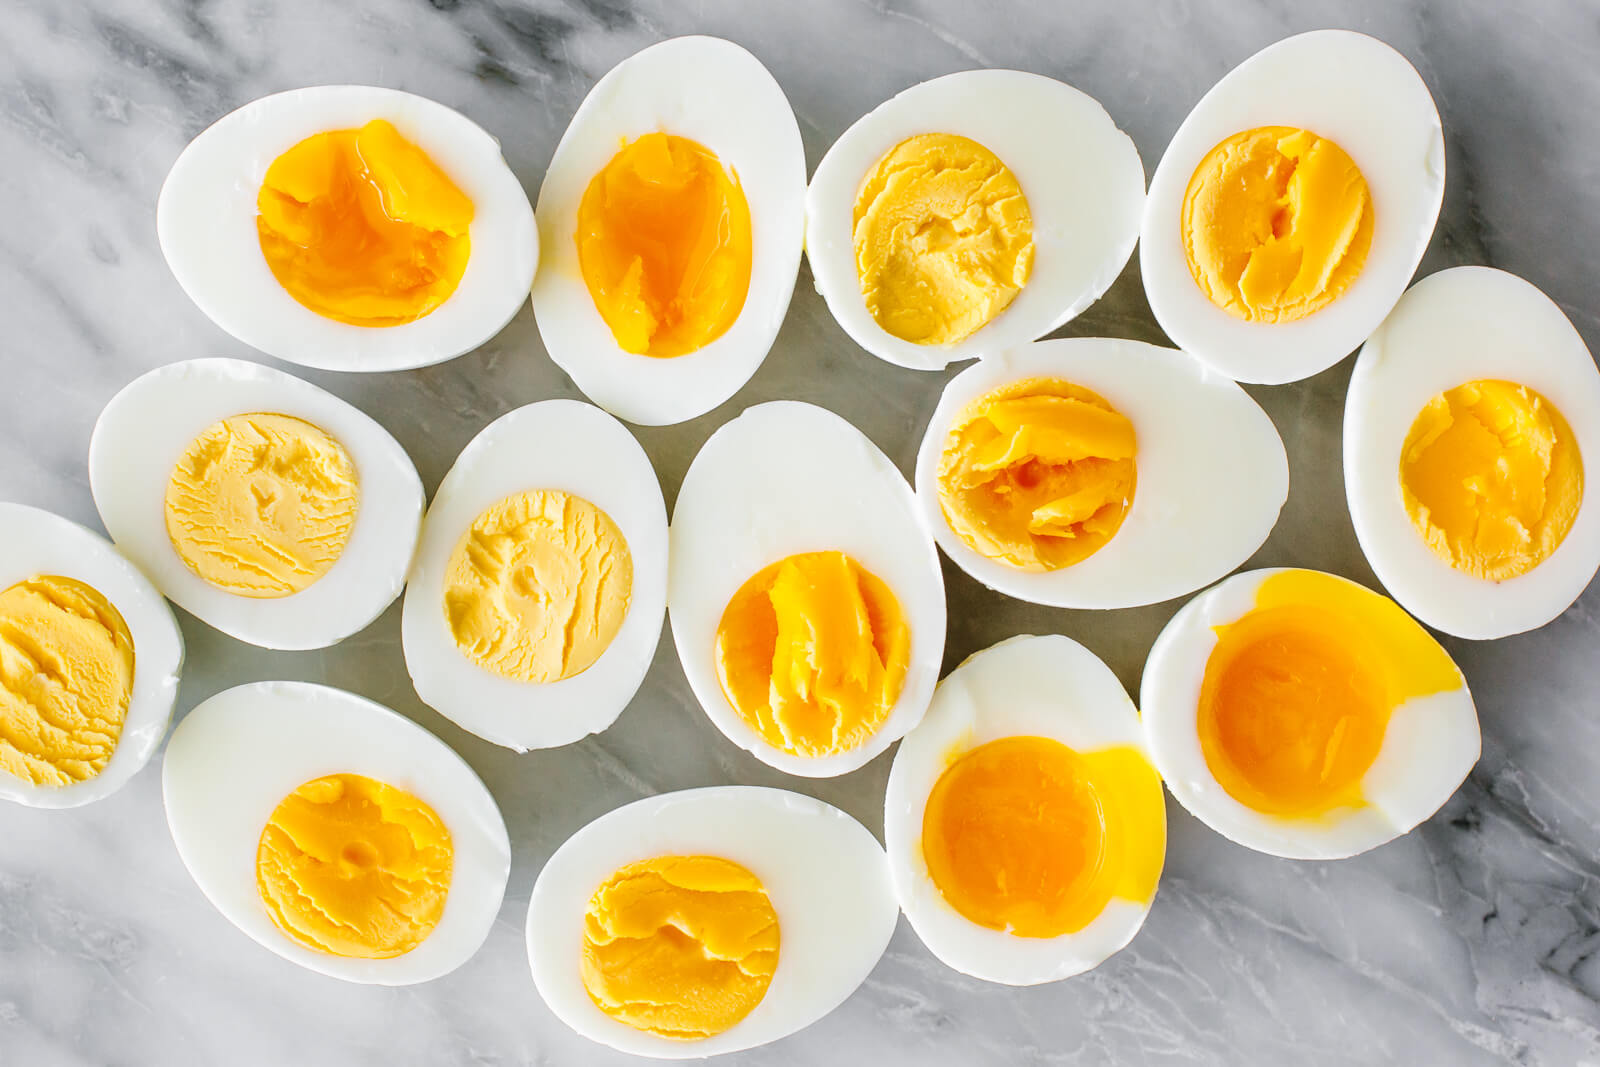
{"points": [[812, 653], [1492, 478], [538, 586], [363, 227], [351, 866], [943, 238], [1027, 836], [66, 676], [680, 946], [664, 246], [1038, 474], [262, 505], [1276, 223], [1298, 692]]}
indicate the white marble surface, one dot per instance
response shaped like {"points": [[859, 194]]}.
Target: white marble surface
{"points": [[1472, 941]]}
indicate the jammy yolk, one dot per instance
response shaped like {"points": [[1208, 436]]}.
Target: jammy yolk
{"points": [[664, 245], [362, 226]]}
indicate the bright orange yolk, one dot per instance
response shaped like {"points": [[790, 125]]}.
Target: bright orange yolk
{"points": [[664, 246]]}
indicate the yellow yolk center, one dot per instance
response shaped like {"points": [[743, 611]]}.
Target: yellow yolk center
{"points": [[812, 652], [943, 238], [354, 867], [680, 946], [66, 675], [1038, 474], [1492, 478], [664, 246], [1276, 223]]}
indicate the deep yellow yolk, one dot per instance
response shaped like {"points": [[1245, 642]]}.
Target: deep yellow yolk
{"points": [[1298, 692], [66, 675], [1492, 478], [943, 238], [1277, 223], [354, 867], [664, 246], [812, 652], [538, 586], [1038, 474], [1028, 836], [680, 946], [362, 226]]}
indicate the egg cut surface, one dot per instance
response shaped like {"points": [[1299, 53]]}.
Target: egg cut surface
{"points": [[350, 228], [269, 508], [672, 216], [1471, 414], [970, 214], [1292, 206], [709, 920]]}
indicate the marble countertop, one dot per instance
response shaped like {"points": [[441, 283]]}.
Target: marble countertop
{"points": [[1474, 940]]}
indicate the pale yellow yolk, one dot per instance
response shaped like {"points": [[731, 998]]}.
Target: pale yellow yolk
{"points": [[1298, 692], [362, 226], [1492, 478], [812, 653], [66, 675], [538, 586], [943, 238], [1277, 223], [1038, 474], [664, 246], [262, 505], [680, 946]]}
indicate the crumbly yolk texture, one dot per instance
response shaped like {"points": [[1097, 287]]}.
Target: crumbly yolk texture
{"points": [[1030, 837], [1297, 694], [262, 505], [354, 867], [66, 675], [1277, 223], [538, 586], [680, 946], [664, 246], [943, 238], [363, 227], [812, 653], [1492, 478], [1038, 474]]}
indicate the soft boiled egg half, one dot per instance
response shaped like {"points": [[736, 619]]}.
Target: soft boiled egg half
{"points": [[349, 228], [672, 215]]}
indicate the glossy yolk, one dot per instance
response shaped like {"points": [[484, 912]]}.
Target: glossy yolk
{"points": [[362, 226], [353, 867], [1038, 474], [664, 246], [812, 652], [1276, 224], [1492, 478], [680, 946], [1030, 837]]}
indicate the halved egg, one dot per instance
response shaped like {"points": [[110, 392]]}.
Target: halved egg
{"points": [[1303, 715], [265, 506], [672, 216], [349, 228], [970, 214], [1291, 208]]}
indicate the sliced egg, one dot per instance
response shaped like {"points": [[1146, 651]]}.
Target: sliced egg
{"points": [[1292, 206], [1303, 715], [806, 598], [1093, 472], [349, 228], [914, 274], [672, 216], [265, 506], [1471, 413]]}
